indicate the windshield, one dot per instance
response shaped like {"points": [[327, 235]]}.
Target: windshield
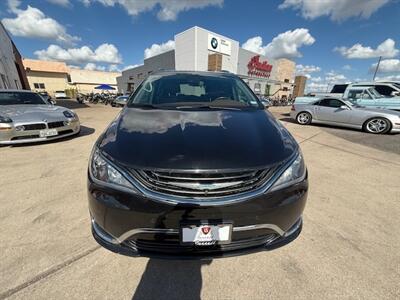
{"points": [[16, 98], [194, 91], [375, 93], [396, 84]]}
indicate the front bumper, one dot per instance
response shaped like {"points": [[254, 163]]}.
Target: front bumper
{"points": [[395, 127], [13, 137], [135, 225]]}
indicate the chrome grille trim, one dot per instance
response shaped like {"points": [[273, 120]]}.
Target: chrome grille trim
{"points": [[204, 184]]}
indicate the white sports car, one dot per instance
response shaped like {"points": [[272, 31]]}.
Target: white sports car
{"points": [[333, 111], [25, 117]]}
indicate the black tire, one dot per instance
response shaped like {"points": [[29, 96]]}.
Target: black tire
{"points": [[304, 118], [377, 125]]}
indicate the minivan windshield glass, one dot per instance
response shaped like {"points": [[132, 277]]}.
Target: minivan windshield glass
{"points": [[16, 98], [193, 91]]}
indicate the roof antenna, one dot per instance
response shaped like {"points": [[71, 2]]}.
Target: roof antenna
{"points": [[377, 67]]}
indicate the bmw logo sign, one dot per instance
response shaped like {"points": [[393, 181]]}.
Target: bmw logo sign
{"points": [[214, 43]]}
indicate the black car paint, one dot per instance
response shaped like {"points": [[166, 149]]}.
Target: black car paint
{"points": [[204, 140], [214, 139]]}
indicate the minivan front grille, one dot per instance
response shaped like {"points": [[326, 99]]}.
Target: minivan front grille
{"points": [[203, 184]]}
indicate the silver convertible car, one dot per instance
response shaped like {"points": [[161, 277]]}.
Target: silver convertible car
{"points": [[339, 112], [25, 117]]}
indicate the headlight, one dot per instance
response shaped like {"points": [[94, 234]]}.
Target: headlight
{"points": [[5, 119], [69, 114], [293, 174], [101, 169]]}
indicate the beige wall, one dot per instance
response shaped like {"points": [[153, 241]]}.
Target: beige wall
{"points": [[52, 81], [86, 88], [85, 80], [285, 70]]}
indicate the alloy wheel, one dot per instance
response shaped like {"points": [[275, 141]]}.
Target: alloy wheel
{"points": [[303, 118], [377, 125]]}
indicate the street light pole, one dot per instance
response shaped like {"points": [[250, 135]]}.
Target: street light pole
{"points": [[377, 67]]}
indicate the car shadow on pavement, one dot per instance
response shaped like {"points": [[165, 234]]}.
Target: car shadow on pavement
{"points": [[71, 104], [289, 120], [86, 131], [171, 279]]}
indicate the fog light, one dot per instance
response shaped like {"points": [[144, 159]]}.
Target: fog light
{"points": [[20, 128], [67, 123]]}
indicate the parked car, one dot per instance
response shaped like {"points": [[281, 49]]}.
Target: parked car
{"points": [[26, 118], [194, 166], [47, 97], [120, 101], [60, 95], [384, 88], [334, 111], [363, 96]]}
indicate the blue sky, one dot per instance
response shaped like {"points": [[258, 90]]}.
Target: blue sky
{"points": [[113, 34]]}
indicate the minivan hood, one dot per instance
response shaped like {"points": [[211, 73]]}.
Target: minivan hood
{"points": [[204, 140]]}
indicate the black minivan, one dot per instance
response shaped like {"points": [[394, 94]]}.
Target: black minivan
{"points": [[194, 166]]}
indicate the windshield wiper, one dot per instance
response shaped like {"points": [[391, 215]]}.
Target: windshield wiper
{"points": [[204, 106], [144, 105]]}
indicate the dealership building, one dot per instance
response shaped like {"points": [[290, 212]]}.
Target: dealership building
{"points": [[198, 49]]}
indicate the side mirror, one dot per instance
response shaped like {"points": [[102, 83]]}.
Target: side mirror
{"points": [[52, 102], [345, 107], [395, 94]]}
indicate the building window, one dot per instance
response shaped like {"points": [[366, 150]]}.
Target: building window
{"points": [[285, 89], [257, 87], [286, 80], [139, 75], [39, 85]]}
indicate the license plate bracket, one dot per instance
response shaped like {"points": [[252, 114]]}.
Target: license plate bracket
{"points": [[206, 232]]}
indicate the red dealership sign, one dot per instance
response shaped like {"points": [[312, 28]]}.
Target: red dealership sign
{"points": [[257, 68]]}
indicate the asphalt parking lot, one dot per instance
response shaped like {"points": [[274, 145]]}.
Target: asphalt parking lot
{"points": [[349, 247]]}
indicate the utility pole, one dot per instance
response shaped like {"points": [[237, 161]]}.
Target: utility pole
{"points": [[377, 67]]}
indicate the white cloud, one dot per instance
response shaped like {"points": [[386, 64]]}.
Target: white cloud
{"points": [[168, 10], [316, 79], [285, 45], [156, 49], [105, 53], [337, 10], [388, 78], [385, 49], [64, 3], [74, 67], [346, 67], [335, 77], [129, 67], [317, 87], [307, 69], [388, 66], [94, 67], [324, 84], [33, 23]]}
